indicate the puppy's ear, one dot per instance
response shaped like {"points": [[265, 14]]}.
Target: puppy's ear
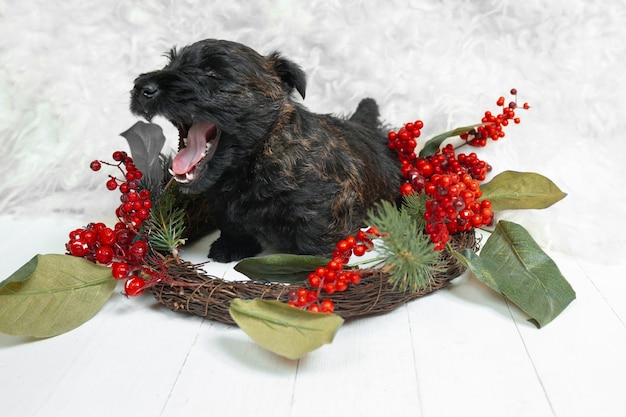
{"points": [[290, 73]]}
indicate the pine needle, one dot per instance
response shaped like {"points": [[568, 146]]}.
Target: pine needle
{"points": [[411, 259], [167, 225]]}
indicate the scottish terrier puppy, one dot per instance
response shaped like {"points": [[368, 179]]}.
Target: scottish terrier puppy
{"points": [[280, 177]]}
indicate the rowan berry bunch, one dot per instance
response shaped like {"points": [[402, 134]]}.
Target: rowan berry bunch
{"points": [[122, 247], [493, 124], [404, 142], [451, 181], [452, 184], [333, 277]]}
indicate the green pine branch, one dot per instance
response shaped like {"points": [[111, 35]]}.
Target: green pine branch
{"points": [[166, 225], [410, 255]]}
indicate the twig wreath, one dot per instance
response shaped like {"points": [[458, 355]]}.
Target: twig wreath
{"points": [[292, 304]]}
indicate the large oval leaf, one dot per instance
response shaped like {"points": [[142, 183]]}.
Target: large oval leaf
{"points": [[282, 329], [521, 190], [511, 262], [53, 294], [282, 268]]}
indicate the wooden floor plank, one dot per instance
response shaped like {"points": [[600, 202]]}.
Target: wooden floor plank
{"points": [[580, 357], [470, 358], [226, 373], [368, 370]]}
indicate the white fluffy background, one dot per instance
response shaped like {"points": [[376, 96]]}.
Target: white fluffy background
{"points": [[67, 68]]}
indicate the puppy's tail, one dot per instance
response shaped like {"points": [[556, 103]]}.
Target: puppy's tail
{"points": [[367, 113]]}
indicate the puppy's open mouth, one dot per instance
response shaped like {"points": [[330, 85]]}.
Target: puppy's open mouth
{"points": [[197, 146]]}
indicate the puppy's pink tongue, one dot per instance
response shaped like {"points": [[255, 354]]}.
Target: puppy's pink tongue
{"points": [[188, 157]]}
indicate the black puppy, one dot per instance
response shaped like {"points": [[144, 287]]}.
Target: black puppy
{"points": [[280, 176]]}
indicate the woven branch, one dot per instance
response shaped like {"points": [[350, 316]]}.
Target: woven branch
{"points": [[197, 293]]}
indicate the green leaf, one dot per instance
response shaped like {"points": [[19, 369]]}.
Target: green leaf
{"points": [[282, 329], [521, 190], [283, 268], [23, 273], [146, 141], [53, 294], [434, 143], [511, 262]]}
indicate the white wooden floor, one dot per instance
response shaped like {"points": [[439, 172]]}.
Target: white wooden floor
{"points": [[463, 351]]}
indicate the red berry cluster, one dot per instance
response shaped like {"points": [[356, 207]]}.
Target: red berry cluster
{"points": [[333, 277], [452, 183], [404, 142], [135, 204], [121, 247], [454, 189], [493, 124]]}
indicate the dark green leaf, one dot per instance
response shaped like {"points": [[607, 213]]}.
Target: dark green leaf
{"points": [[53, 294], [521, 190], [434, 143], [282, 329], [23, 273], [283, 268], [512, 263], [146, 141]]}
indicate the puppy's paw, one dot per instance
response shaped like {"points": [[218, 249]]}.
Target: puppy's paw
{"points": [[227, 249]]}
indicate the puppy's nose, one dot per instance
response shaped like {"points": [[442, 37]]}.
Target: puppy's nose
{"points": [[149, 90]]}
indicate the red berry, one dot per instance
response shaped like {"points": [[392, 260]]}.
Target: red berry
{"points": [[138, 250], [143, 214], [134, 286], [406, 189], [314, 308], [341, 285], [329, 287], [95, 165], [355, 277], [119, 156], [144, 194], [111, 184], [343, 246], [76, 234], [77, 248], [327, 306], [351, 241], [321, 271], [373, 231], [314, 280], [106, 236], [335, 265], [104, 255], [90, 237], [120, 270], [359, 250]]}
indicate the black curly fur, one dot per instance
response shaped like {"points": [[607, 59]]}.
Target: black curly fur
{"points": [[281, 177]]}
